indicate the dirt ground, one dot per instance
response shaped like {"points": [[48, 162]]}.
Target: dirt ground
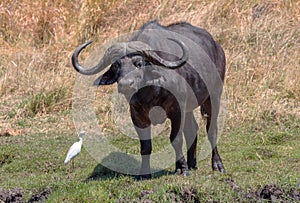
{"points": [[269, 193], [16, 195]]}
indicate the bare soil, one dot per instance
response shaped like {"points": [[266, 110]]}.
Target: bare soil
{"points": [[269, 193], [16, 195]]}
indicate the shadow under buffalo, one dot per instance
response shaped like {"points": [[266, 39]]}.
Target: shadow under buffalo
{"points": [[118, 164]]}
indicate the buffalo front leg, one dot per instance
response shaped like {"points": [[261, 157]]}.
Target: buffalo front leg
{"points": [[212, 131], [176, 139], [190, 133], [146, 148]]}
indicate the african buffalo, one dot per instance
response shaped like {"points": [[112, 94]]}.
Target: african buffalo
{"points": [[177, 68]]}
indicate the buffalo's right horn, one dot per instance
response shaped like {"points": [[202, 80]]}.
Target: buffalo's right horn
{"points": [[96, 69], [112, 54], [155, 59]]}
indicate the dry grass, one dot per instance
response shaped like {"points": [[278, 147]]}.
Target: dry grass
{"points": [[261, 40]]}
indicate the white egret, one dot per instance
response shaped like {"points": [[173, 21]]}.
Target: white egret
{"points": [[74, 149]]}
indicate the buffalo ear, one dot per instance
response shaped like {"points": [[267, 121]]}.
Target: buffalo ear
{"points": [[108, 78]]}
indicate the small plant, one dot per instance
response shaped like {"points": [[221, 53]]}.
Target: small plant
{"points": [[46, 101], [6, 157]]}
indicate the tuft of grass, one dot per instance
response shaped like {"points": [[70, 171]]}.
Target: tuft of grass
{"points": [[46, 101], [6, 156]]}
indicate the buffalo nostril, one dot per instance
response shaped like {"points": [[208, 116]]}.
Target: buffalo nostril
{"points": [[131, 82]]}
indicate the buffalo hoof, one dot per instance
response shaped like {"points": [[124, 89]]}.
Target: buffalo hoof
{"points": [[143, 177], [183, 172], [218, 166], [193, 166], [181, 167]]}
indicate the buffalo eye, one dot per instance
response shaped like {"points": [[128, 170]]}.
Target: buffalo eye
{"points": [[138, 63], [117, 64]]}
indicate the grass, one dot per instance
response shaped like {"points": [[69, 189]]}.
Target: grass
{"points": [[253, 159], [45, 102], [260, 142]]}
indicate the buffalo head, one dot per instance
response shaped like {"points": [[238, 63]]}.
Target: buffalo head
{"points": [[130, 65]]}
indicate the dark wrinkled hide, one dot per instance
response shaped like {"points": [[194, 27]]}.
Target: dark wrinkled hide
{"points": [[133, 72]]}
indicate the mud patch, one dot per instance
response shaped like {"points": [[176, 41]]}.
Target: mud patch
{"points": [[11, 195], [16, 195], [189, 195], [40, 196], [186, 194], [276, 194], [269, 193]]}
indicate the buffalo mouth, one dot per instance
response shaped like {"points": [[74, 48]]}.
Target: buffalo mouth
{"points": [[127, 87], [126, 90]]}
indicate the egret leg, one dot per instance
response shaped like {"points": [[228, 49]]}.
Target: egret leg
{"points": [[68, 168]]}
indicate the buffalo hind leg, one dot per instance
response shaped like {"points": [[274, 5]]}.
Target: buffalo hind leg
{"points": [[212, 131], [190, 133], [176, 139]]}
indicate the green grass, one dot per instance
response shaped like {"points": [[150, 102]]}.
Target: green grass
{"points": [[253, 158]]}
